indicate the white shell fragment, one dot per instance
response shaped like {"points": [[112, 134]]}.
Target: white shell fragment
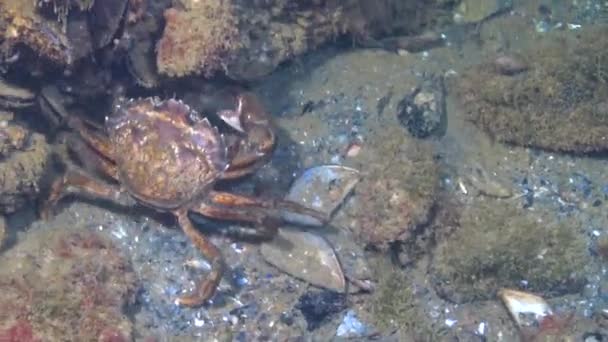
{"points": [[306, 256], [525, 308], [322, 188]]}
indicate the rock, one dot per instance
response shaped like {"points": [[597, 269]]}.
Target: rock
{"points": [[22, 23], [66, 285], [423, 111], [399, 180], [556, 105], [499, 246], [249, 40], [25, 156], [318, 307]]}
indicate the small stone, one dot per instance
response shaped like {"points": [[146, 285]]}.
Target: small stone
{"points": [[353, 150], [423, 111], [286, 318], [351, 326]]}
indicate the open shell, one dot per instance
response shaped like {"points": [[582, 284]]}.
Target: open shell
{"points": [[306, 256]]}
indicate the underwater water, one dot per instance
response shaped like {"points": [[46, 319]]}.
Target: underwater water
{"points": [[234, 170]]}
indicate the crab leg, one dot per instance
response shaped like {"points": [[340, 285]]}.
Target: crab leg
{"points": [[89, 156], [96, 141], [75, 181], [233, 200], [265, 224], [205, 288]]}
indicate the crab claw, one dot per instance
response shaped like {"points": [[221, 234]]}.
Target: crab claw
{"points": [[232, 118], [257, 138]]}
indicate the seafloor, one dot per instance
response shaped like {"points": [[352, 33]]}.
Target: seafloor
{"points": [[443, 218]]}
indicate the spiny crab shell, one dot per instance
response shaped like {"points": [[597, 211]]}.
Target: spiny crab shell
{"points": [[165, 155]]}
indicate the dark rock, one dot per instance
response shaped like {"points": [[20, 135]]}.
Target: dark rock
{"points": [[423, 112]]}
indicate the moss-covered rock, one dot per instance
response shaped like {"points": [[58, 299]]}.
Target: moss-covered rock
{"points": [[558, 104], [62, 284], [397, 192], [24, 157], [502, 245], [394, 306]]}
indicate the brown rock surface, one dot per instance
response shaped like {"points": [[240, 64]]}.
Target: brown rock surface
{"points": [[248, 40]]}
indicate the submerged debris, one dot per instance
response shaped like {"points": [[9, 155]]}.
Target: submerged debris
{"points": [[533, 316]]}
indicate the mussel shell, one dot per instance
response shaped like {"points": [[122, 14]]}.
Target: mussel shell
{"points": [[104, 19], [322, 188], [306, 256], [14, 97]]}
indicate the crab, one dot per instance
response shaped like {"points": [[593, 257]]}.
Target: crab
{"points": [[163, 155]]}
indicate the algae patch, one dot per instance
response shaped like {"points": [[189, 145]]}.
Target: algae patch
{"points": [[502, 245], [558, 104], [394, 306]]}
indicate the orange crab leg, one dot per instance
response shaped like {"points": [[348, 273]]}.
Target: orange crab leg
{"points": [[205, 288], [266, 225], [233, 200]]}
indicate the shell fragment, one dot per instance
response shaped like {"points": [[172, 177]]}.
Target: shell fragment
{"points": [[525, 308]]}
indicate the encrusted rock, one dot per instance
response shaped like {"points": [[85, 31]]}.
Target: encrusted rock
{"points": [[24, 25], [248, 40], [399, 181], [23, 158], [423, 111], [497, 245], [558, 104], [65, 285], [197, 38]]}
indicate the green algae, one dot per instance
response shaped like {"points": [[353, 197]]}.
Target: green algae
{"points": [[558, 104], [394, 306], [500, 245]]}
